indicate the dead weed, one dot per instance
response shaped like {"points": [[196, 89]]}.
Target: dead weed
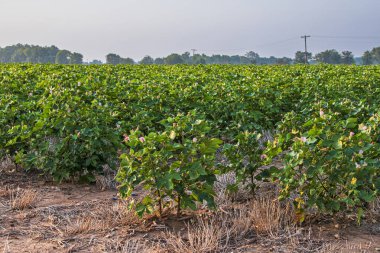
{"points": [[21, 199]]}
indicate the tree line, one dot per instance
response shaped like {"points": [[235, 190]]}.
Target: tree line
{"points": [[186, 58], [331, 56], [37, 54]]}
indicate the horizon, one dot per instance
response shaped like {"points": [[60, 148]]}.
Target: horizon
{"points": [[130, 29]]}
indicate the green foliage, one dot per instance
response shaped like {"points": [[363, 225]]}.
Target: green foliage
{"points": [[147, 60], [347, 57], [69, 120], [70, 134], [300, 57], [115, 59], [76, 58], [174, 59], [177, 163], [329, 56], [63, 57], [367, 58], [37, 54], [332, 163], [375, 52], [244, 157]]}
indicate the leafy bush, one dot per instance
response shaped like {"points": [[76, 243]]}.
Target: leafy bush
{"points": [[244, 158], [332, 164], [177, 163], [72, 137]]}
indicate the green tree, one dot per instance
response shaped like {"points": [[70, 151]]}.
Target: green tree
{"points": [[5, 54], [376, 55], [19, 56], [113, 59], [173, 59], [329, 56], [186, 57], [63, 57], [252, 56], [147, 60], [367, 58], [347, 58], [235, 59], [159, 61], [300, 57], [198, 59], [127, 61], [245, 60], [51, 53], [30, 53], [283, 61], [76, 58]]}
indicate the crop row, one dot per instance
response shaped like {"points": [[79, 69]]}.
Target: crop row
{"points": [[70, 121]]}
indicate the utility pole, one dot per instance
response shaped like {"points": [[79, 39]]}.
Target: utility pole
{"points": [[194, 50], [305, 37]]}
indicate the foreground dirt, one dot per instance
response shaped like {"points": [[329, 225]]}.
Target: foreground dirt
{"points": [[83, 218]]}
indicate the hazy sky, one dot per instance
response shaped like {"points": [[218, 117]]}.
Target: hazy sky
{"points": [[134, 28]]}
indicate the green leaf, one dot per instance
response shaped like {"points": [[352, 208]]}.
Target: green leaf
{"points": [[166, 182], [187, 202], [209, 147], [367, 197], [360, 215], [351, 123], [268, 173]]}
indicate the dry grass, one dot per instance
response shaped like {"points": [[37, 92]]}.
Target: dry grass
{"points": [[374, 207], [269, 216], [128, 246], [240, 223], [347, 247], [118, 215], [265, 223], [7, 165], [219, 232], [85, 225], [21, 199], [107, 179], [6, 248], [202, 236], [103, 183], [103, 225], [224, 198], [102, 219], [5, 192]]}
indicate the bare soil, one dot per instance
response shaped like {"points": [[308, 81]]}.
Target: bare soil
{"points": [[83, 218]]}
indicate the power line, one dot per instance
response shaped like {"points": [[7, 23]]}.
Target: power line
{"points": [[346, 37]]}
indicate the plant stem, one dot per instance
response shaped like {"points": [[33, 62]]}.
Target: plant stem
{"points": [[159, 202], [179, 206], [252, 190]]}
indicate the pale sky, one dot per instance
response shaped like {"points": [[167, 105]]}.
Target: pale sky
{"points": [[135, 28]]}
